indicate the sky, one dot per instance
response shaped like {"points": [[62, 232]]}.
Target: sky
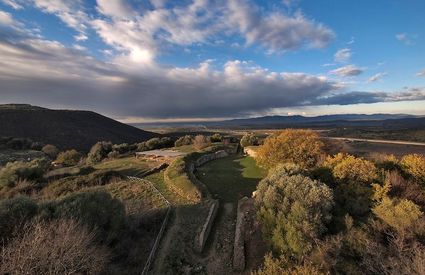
{"points": [[155, 60]]}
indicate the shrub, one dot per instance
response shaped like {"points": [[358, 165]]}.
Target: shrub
{"points": [[293, 211], [113, 154], [68, 158], [414, 165], [121, 148], [153, 143], [283, 266], [216, 138], [402, 215], [14, 213], [354, 199], [98, 152], [200, 142], [50, 150], [95, 210], [55, 247], [347, 168], [142, 147], [181, 141], [249, 139], [166, 142], [20, 170]]}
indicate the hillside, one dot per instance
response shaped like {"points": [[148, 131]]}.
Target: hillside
{"points": [[64, 128]]}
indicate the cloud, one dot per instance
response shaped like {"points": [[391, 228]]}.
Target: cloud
{"points": [[115, 8], [276, 31], [81, 37], [16, 4], [342, 55], [421, 73], [376, 77], [349, 70], [405, 38], [5, 18]]}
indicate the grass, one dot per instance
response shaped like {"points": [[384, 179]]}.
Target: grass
{"points": [[158, 180], [128, 166], [231, 178]]}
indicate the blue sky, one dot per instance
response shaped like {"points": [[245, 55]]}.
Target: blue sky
{"points": [[138, 60]]}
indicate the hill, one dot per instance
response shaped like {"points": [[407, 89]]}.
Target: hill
{"points": [[65, 128]]}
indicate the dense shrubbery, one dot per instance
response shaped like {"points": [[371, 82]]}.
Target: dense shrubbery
{"points": [[200, 142], [68, 158], [293, 210], [99, 151], [185, 140], [249, 139], [19, 143], [50, 150], [216, 138], [14, 213], [347, 168], [17, 171], [414, 165], [55, 247], [302, 147]]}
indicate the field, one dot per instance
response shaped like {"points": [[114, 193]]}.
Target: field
{"points": [[231, 178], [129, 166]]}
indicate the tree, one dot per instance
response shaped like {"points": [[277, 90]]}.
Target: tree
{"points": [[249, 139], [293, 210], [153, 143], [185, 140], [301, 147], [200, 142], [414, 165], [20, 170], [99, 151], [283, 266], [346, 168], [216, 137], [68, 158], [50, 150]]}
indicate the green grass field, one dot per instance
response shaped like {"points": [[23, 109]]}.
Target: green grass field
{"points": [[231, 178]]}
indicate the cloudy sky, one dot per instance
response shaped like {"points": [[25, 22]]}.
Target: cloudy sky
{"points": [[138, 60]]}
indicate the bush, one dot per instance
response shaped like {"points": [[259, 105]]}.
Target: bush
{"points": [[50, 150], [93, 209], [283, 266], [113, 154], [142, 147], [181, 141], [14, 213], [347, 168], [153, 143], [200, 142], [414, 165], [293, 210], [249, 139], [121, 148], [98, 152], [20, 170], [302, 147], [216, 138], [55, 247], [68, 158]]}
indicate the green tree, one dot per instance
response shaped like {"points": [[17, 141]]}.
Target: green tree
{"points": [[185, 140], [68, 158], [293, 210], [98, 152], [346, 168], [249, 139], [302, 147]]}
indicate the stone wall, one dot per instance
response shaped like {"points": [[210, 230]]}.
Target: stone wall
{"points": [[239, 260], [202, 237]]}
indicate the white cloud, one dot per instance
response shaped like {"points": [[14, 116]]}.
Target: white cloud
{"points": [[115, 8], [405, 38], [349, 70], [81, 37], [376, 77], [16, 4], [5, 18], [343, 55], [421, 73]]}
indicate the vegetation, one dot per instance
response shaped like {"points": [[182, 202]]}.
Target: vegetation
{"points": [[98, 152], [68, 158], [347, 168], [249, 139], [185, 140], [302, 147], [50, 150], [200, 142], [293, 210], [54, 247], [17, 171], [177, 178], [414, 165]]}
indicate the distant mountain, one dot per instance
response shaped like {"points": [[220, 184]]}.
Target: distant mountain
{"points": [[65, 128], [286, 120]]}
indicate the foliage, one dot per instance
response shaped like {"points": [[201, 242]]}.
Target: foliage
{"points": [[399, 214], [348, 168], [185, 140], [177, 179], [200, 142], [142, 147], [98, 152], [216, 138], [20, 170], [14, 213], [68, 158], [354, 199], [302, 147], [121, 148], [50, 150], [249, 139], [414, 165], [55, 247], [293, 210], [93, 209], [157, 143], [283, 266]]}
